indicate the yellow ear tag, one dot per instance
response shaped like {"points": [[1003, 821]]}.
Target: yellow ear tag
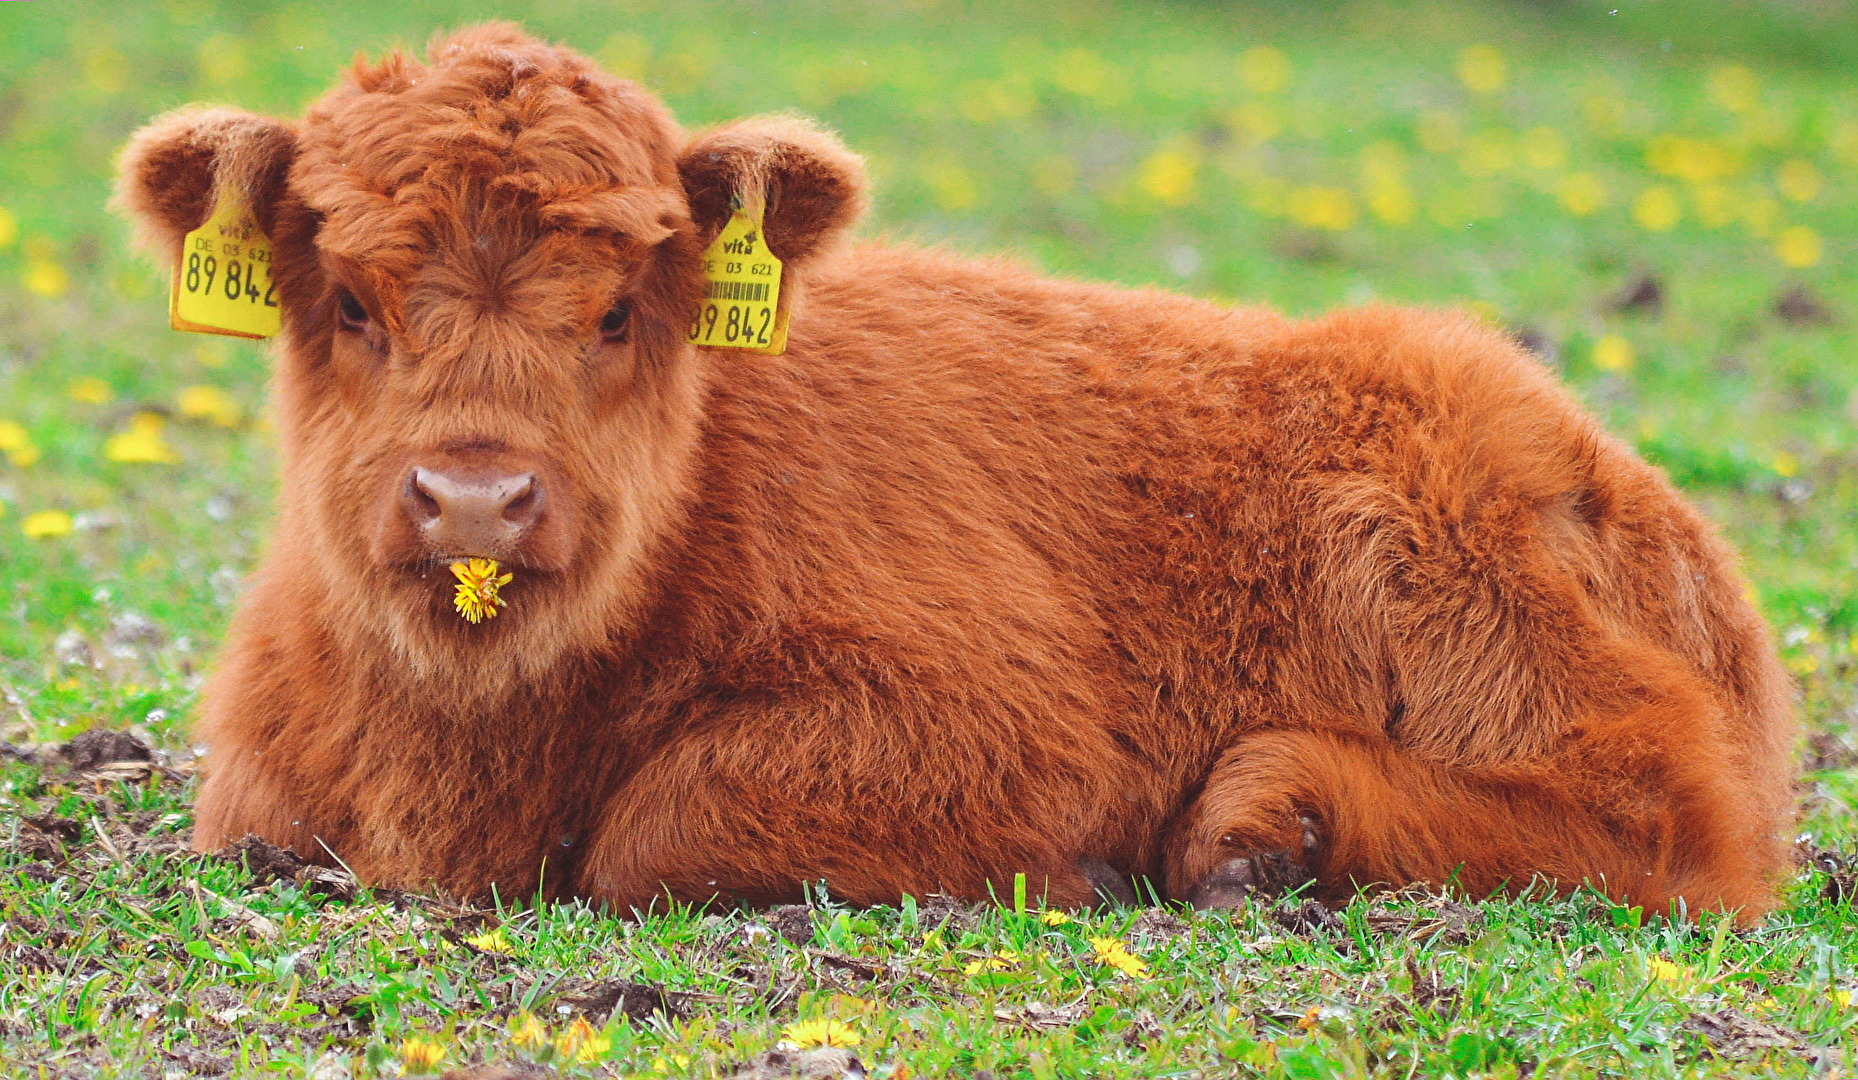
{"points": [[223, 283], [742, 303]]}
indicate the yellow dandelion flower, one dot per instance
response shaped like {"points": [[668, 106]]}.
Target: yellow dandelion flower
{"points": [[1055, 918], [1003, 961], [420, 1054], [9, 229], [824, 1032], [478, 596], [16, 443], [1482, 69], [1111, 952], [209, 403], [1735, 87], [1668, 973], [1797, 246], [46, 525], [581, 1043], [1612, 353], [142, 444], [1544, 149], [1657, 210], [933, 939], [527, 1032], [1695, 160], [1081, 72], [106, 70], [492, 940], [1393, 202], [89, 390], [1840, 998], [1785, 464], [1322, 207], [952, 186], [1264, 69], [1168, 176], [1798, 180], [46, 278]]}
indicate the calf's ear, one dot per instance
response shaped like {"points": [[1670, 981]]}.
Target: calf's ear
{"points": [[813, 186], [173, 171]]}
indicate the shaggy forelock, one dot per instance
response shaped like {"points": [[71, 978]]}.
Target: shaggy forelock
{"points": [[494, 121]]}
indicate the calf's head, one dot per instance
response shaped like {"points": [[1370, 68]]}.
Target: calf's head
{"points": [[487, 264]]}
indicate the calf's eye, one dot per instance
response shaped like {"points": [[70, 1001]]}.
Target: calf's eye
{"points": [[354, 316], [613, 324]]}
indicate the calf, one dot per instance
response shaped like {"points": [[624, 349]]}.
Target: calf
{"points": [[986, 574]]}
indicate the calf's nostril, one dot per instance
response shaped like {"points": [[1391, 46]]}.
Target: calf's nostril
{"points": [[524, 503], [422, 503]]}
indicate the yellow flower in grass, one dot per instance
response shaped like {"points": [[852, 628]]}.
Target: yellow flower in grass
{"points": [[420, 1054], [1111, 952], [209, 403], [1657, 210], [17, 444], [492, 940], [1798, 246], [527, 1032], [1055, 918], [823, 1032], [477, 597], [1840, 998], [1669, 973], [47, 525], [1264, 69], [1482, 69], [1168, 176], [142, 444], [44, 277], [1612, 353], [89, 390], [1581, 194], [1003, 961], [582, 1043]]}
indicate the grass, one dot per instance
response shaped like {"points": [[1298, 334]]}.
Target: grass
{"points": [[1662, 200]]}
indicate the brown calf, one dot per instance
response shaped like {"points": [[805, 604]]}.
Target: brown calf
{"points": [[987, 574]]}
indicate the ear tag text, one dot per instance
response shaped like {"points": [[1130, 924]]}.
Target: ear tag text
{"points": [[742, 303], [223, 282]]}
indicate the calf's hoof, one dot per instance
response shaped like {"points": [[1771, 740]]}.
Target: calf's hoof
{"points": [[1111, 887], [1258, 873]]}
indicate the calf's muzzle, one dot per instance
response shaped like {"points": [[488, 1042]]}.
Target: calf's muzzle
{"points": [[471, 513]]}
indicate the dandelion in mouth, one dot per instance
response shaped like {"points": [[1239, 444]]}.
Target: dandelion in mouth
{"points": [[478, 583]]}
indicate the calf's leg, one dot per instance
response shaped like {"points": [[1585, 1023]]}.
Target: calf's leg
{"points": [[1642, 803]]}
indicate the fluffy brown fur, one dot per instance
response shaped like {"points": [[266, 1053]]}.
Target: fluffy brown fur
{"points": [[988, 574]]}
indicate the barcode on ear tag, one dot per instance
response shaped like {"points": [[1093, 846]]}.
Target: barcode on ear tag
{"points": [[223, 282], [742, 305]]}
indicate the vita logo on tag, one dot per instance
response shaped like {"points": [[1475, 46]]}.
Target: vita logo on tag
{"points": [[742, 303], [223, 282]]}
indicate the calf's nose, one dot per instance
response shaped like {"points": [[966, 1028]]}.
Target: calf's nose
{"points": [[471, 513]]}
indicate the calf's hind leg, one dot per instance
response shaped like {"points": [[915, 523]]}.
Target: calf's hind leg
{"points": [[1640, 798]]}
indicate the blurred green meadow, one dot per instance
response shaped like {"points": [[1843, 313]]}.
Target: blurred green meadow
{"points": [[1660, 200]]}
